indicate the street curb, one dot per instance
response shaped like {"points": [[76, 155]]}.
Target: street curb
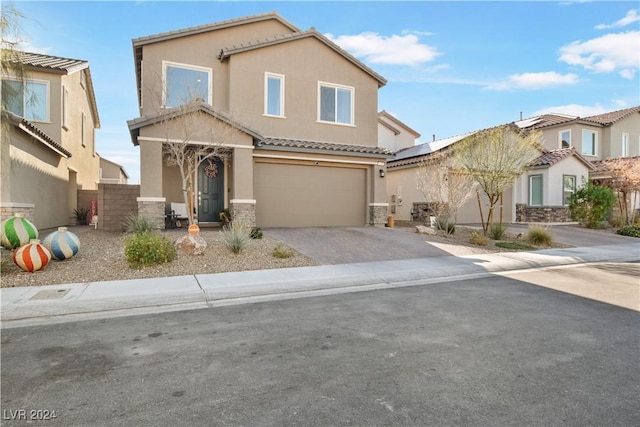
{"points": [[207, 290]]}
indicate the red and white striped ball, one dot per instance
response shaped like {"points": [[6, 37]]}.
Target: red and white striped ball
{"points": [[31, 257]]}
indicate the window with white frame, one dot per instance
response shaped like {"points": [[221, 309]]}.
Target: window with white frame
{"points": [[335, 103], [65, 108], [625, 145], [589, 142], [565, 138], [535, 190], [568, 188], [29, 100], [274, 95], [185, 83]]}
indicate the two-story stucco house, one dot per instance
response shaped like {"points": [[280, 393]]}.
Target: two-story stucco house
{"points": [[306, 148], [570, 144], [48, 141]]}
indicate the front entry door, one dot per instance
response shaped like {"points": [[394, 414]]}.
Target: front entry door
{"points": [[210, 190]]}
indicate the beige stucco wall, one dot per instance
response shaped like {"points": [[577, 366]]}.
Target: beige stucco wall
{"points": [[200, 50], [38, 176], [401, 183], [304, 63], [387, 138], [33, 173]]}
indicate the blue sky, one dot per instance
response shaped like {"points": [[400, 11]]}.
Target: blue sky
{"points": [[452, 67]]}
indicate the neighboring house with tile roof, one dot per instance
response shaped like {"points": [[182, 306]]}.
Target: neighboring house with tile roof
{"points": [[306, 148], [394, 134], [573, 148], [48, 142]]}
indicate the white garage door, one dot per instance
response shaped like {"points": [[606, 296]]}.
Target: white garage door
{"points": [[309, 196]]}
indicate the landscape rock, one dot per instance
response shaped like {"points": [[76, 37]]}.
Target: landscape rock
{"points": [[421, 229], [191, 244]]}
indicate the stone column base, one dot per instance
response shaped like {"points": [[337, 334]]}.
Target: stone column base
{"points": [[378, 214], [152, 208], [243, 210]]}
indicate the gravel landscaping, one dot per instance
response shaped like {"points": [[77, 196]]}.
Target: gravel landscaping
{"points": [[101, 258]]}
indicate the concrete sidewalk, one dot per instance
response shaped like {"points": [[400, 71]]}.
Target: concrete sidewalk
{"points": [[59, 303]]}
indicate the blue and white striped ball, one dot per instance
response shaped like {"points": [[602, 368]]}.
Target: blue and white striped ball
{"points": [[62, 244]]}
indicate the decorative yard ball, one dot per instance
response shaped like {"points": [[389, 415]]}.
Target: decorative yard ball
{"points": [[31, 257], [62, 244], [17, 231], [194, 229]]}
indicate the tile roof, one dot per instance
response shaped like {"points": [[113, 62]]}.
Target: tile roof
{"points": [[38, 134], [613, 116], [226, 52], [58, 65], [51, 63], [606, 164], [212, 27], [302, 145], [136, 124], [550, 158]]}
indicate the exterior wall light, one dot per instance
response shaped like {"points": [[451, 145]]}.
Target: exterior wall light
{"points": [[381, 173]]}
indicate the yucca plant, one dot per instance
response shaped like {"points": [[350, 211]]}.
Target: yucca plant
{"points": [[236, 236]]}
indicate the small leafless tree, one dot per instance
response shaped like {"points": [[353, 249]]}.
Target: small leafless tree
{"points": [[625, 181], [495, 158], [443, 187], [194, 134]]}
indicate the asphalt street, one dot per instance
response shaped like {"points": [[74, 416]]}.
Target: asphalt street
{"points": [[490, 351]]}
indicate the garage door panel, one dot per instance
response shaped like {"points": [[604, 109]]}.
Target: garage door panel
{"points": [[302, 196]]}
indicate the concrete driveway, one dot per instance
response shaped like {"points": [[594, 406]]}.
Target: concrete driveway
{"points": [[342, 245]]}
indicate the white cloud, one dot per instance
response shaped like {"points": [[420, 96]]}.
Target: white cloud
{"points": [[573, 110], [631, 17], [606, 54], [393, 50], [533, 81]]}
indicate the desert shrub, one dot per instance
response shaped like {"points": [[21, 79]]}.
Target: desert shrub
{"points": [[256, 233], [236, 236], [282, 251], [135, 223], [81, 215], [148, 248], [539, 236], [591, 203], [496, 231], [515, 246], [444, 223], [478, 239], [629, 230], [616, 221]]}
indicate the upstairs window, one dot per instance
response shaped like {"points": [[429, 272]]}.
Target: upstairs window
{"points": [[274, 95], [184, 84], [29, 100], [335, 104], [589, 141], [565, 138]]}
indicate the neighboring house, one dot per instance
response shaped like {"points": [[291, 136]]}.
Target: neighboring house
{"points": [[306, 148], [48, 141], [112, 173], [541, 194], [393, 134]]}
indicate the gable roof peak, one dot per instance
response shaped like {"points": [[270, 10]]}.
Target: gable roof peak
{"points": [[168, 35]]}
